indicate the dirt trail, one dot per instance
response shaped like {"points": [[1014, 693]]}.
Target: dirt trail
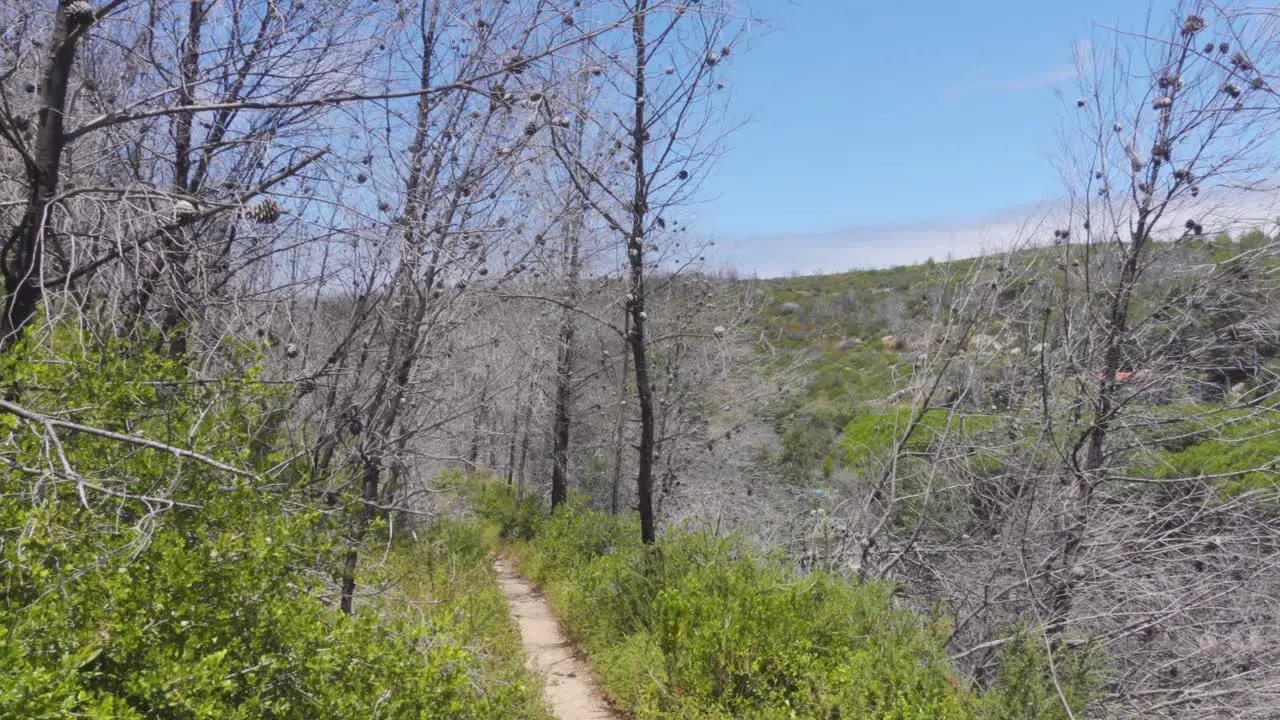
{"points": [[570, 689]]}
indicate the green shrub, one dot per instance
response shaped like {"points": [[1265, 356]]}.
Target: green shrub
{"points": [[872, 435], [1020, 690], [1240, 452], [445, 582], [703, 627], [148, 584], [515, 517]]}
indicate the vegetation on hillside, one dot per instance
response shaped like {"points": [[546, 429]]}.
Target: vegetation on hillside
{"points": [[277, 277], [701, 626]]}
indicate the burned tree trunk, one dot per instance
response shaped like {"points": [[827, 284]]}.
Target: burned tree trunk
{"points": [[23, 251], [636, 296]]}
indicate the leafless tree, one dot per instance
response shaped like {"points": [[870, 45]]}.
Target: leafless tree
{"points": [[1035, 490], [661, 118]]}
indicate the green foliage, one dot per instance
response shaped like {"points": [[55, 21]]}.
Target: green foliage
{"points": [[1237, 450], [810, 425], [869, 436], [705, 627], [514, 516], [808, 442], [444, 581], [1019, 690], [145, 584]]}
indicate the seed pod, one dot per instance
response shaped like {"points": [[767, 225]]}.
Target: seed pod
{"points": [[79, 13], [264, 213]]}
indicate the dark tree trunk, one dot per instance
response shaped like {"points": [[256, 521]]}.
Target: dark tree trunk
{"points": [[177, 244], [524, 448], [622, 417], [636, 298], [478, 422], [513, 441], [368, 496], [23, 251], [1092, 470], [564, 399], [407, 312], [564, 369]]}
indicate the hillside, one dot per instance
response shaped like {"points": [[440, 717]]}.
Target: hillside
{"points": [[862, 335], [331, 333]]}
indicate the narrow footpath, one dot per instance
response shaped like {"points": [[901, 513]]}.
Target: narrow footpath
{"points": [[570, 689]]}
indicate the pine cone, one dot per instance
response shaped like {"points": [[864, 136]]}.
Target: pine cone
{"points": [[264, 213], [79, 12]]}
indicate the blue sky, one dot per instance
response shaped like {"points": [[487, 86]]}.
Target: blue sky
{"points": [[871, 116]]}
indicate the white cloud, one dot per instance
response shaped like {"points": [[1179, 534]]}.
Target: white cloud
{"points": [[983, 80], [841, 251]]}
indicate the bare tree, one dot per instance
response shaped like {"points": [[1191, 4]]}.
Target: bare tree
{"points": [[661, 119], [1038, 487]]}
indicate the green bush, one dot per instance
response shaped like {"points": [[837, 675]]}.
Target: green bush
{"points": [[1237, 449], [872, 435], [147, 584], [1020, 690], [444, 581], [515, 517], [704, 627]]}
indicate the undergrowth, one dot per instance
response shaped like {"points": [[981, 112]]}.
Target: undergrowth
{"points": [[443, 581], [698, 626], [138, 583]]}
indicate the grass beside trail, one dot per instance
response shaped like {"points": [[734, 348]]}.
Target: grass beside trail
{"points": [[704, 627], [446, 582]]}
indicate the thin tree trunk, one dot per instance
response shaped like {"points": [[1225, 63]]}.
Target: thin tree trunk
{"points": [[524, 448], [575, 211], [23, 251], [564, 400], [565, 357], [1092, 471], [368, 496], [175, 245], [477, 425], [514, 440], [636, 298], [622, 418], [407, 311]]}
